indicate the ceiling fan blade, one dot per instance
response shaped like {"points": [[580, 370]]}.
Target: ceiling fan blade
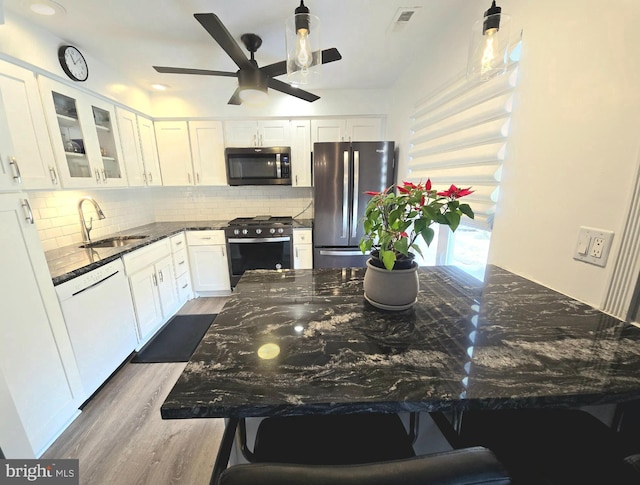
{"points": [[331, 55], [280, 68], [235, 99], [203, 72], [221, 35], [289, 89]]}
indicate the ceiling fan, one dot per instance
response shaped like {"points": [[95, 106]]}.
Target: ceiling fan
{"points": [[251, 78]]}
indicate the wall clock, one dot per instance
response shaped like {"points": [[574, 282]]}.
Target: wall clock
{"points": [[73, 63]]}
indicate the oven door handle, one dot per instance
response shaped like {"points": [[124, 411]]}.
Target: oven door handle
{"points": [[258, 239]]}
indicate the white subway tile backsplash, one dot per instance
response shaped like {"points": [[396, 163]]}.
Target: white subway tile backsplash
{"points": [[58, 221]]}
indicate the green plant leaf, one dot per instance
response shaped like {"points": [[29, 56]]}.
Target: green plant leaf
{"points": [[388, 259], [417, 249], [427, 234], [402, 246], [454, 220], [466, 210]]}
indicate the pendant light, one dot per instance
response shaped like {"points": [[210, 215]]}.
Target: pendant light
{"points": [[302, 36], [489, 48]]}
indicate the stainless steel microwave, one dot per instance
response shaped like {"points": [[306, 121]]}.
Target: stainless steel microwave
{"points": [[258, 166]]}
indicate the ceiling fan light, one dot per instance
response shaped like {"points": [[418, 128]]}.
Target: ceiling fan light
{"points": [[304, 50], [253, 97]]}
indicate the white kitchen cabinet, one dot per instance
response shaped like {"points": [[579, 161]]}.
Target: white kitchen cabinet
{"points": [[301, 153], [302, 249], [40, 387], [181, 267], [153, 288], [84, 137], [260, 133], [139, 153], [149, 149], [27, 129], [10, 180], [174, 152], [207, 150], [209, 263], [347, 129]]}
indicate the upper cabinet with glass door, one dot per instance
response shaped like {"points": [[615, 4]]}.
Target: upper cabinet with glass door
{"points": [[84, 137]]}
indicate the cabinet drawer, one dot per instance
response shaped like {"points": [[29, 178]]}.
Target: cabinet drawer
{"points": [[146, 256], [181, 261], [302, 236], [205, 238], [184, 287], [178, 241]]}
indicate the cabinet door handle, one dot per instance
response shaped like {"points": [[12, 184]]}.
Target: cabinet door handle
{"points": [[181, 262], [297, 253], [144, 177], [178, 243], [185, 286], [222, 249], [255, 140], [27, 208], [104, 175], [261, 140], [97, 172], [54, 175], [155, 280], [208, 237], [14, 163], [189, 177], [198, 178], [150, 177], [161, 276]]}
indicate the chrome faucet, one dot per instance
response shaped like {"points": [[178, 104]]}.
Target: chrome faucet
{"points": [[83, 225]]}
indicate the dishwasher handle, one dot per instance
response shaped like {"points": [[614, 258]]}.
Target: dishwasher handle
{"points": [[95, 284]]}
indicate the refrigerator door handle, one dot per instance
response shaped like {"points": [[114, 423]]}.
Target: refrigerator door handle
{"points": [[328, 252], [356, 192], [345, 194]]}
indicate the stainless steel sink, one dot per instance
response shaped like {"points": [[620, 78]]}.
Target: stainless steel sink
{"points": [[114, 242]]}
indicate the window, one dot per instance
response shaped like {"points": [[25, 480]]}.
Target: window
{"points": [[459, 136]]}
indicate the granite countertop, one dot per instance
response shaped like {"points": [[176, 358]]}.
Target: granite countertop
{"points": [[504, 343], [70, 261]]}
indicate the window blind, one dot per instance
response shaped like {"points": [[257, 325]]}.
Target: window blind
{"points": [[459, 136]]}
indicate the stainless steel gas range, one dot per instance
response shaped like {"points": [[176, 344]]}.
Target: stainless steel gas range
{"points": [[261, 242]]}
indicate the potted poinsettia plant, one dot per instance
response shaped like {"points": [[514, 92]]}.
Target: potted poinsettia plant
{"points": [[393, 221]]}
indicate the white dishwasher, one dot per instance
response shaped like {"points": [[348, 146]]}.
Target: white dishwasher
{"points": [[98, 312]]}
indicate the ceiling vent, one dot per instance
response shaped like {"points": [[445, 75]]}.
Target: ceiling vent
{"points": [[402, 17]]}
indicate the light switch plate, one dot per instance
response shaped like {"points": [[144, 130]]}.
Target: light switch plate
{"points": [[593, 246]]}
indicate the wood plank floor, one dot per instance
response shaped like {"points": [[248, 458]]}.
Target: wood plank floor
{"points": [[120, 438]]}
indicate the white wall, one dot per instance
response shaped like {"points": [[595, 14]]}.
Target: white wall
{"points": [[24, 43], [573, 148]]}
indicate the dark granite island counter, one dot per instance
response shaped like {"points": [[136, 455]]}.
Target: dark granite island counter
{"points": [[305, 341]]}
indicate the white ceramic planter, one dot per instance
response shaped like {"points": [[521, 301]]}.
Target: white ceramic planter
{"points": [[391, 290]]}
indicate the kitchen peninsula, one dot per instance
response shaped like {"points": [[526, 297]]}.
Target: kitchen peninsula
{"points": [[305, 341]]}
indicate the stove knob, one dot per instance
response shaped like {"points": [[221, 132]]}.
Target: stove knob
{"points": [[258, 231], [244, 231], [236, 231], [272, 230], [280, 230]]}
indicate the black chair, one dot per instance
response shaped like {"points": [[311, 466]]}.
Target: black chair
{"points": [[343, 439], [474, 466], [547, 446]]}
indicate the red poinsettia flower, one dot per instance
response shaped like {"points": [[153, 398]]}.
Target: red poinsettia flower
{"points": [[370, 192], [404, 234], [428, 185], [403, 190], [455, 193], [409, 184]]}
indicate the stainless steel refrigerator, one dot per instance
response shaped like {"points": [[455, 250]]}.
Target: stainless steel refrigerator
{"points": [[342, 173]]}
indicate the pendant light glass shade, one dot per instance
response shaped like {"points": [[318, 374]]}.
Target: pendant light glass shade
{"points": [[304, 55], [489, 47]]}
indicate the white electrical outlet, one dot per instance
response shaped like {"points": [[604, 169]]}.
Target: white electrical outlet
{"points": [[593, 246]]}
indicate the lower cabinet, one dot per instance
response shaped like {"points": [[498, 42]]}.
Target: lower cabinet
{"points": [[181, 267], [153, 288], [40, 387], [302, 249], [209, 263]]}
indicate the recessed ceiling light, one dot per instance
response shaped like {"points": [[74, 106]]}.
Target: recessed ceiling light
{"points": [[160, 87], [47, 7]]}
